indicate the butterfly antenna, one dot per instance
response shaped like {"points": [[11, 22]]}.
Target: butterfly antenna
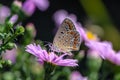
{"points": [[49, 45]]}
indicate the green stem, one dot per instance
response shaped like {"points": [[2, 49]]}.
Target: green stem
{"points": [[47, 76], [49, 69], [8, 26]]}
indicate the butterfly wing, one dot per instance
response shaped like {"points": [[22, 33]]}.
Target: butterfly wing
{"points": [[73, 42], [67, 38], [66, 25]]}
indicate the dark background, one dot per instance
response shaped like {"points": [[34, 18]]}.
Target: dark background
{"points": [[45, 24]]}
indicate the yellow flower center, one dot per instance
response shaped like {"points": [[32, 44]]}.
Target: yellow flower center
{"points": [[90, 35]]}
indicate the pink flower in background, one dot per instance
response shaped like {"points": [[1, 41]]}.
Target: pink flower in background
{"points": [[30, 5], [106, 51], [4, 13], [115, 58], [77, 76], [44, 56], [41, 4], [10, 55], [101, 47], [59, 16], [13, 19]]}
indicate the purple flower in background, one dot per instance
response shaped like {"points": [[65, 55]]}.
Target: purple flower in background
{"points": [[4, 13], [10, 55], [59, 16], [13, 19], [41, 4], [44, 56], [105, 50], [116, 58], [30, 5], [77, 76], [102, 47]]}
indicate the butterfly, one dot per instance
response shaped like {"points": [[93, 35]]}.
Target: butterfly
{"points": [[67, 37]]}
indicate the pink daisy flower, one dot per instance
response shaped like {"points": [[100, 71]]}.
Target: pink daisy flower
{"points": [[44, 56]]}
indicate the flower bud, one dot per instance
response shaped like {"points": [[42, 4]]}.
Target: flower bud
{"points": [[13, 19], [16, 6], [31, 29], [19, 30], [9, 62], [10, 46]]}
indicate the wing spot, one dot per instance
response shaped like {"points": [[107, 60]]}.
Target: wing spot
{"points": [[62, 32]]}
